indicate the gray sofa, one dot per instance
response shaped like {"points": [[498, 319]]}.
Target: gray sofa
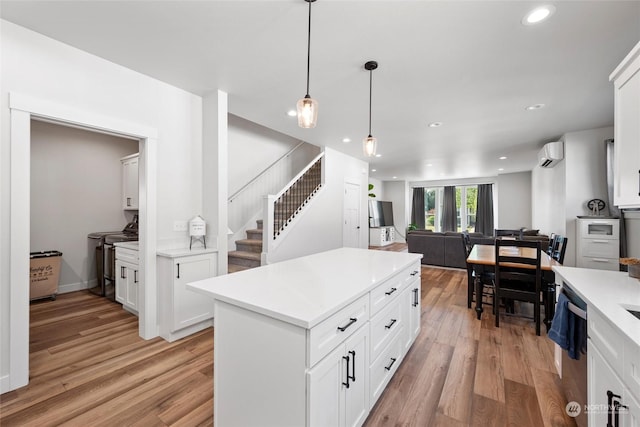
{"points": [[445, 249]]}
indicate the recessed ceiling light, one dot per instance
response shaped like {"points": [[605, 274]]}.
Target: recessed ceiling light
{"points": [[503, 157], [538, 15], [534, 107], [378, 155], [435, 124], [373, 170], [395, 177], [501, 169], [292, 113], [346, 140], [429, 164]]}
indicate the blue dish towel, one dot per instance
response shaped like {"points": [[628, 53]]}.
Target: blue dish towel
{"points": [[559, 332], [568, 330]]}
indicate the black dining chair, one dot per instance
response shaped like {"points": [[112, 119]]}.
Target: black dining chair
{"points": [[560, 247], [485, 277], [520, 279]]}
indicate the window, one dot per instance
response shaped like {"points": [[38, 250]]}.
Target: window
{"points": [[466, 200]]}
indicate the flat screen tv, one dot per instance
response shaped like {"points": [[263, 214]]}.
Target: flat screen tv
{"points": [[380, 214]]}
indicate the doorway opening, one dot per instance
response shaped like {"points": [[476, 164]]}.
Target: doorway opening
{"points": [[23, 110]]}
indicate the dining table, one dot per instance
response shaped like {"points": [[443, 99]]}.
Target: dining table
{"points": [[484, 257]]}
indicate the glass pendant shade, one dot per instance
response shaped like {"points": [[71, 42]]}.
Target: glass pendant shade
{"points": [[369, 146], [307, 112]]}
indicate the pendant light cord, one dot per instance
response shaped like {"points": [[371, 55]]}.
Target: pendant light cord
{"points": [[308, 50], [370, 91]]}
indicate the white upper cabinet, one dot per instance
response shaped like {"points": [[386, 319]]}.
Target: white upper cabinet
{"points": [[626, 79], [130, 182]]}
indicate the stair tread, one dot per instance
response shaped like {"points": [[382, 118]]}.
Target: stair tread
{"points": [[246, 255], [252, 242]]}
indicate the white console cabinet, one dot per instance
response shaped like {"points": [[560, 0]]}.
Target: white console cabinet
{"points": [[183, 312], [311, 341], [381, 236], [598, 243]]}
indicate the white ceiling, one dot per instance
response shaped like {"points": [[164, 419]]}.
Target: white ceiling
{"points": [[471, 65]]}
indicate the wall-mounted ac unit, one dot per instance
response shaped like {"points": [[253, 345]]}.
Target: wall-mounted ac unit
{"points": [[551, 154]]}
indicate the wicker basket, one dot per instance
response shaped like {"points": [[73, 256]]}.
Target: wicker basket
{"points": [[634, 270]]}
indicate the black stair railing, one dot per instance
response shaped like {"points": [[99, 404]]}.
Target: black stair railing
{"points": [[293, 199]]}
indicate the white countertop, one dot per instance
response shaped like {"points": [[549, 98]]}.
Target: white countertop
{"points": [[304, 291], [129, 245], [180, 252], [609, 292]]}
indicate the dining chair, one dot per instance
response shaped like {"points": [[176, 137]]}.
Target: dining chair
{"points": [[517, 277], [560, 248], [485, 277]]}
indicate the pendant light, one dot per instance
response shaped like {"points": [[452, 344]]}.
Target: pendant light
{"points": [[369, 143], [307, 106]]}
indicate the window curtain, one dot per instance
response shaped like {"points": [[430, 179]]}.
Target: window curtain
{"points": [[613, 210], [484, 210], [449, 215], [417, 208]]}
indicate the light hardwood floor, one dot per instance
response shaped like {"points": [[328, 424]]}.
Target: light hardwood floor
{"points": [[90, 368]]}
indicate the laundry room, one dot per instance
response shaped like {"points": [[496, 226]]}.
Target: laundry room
{"points": [[77, 190]]}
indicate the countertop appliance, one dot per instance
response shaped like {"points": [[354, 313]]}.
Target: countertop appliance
{"points": [[105, 256], [574, 372]]}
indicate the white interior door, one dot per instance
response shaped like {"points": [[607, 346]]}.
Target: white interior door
{"points": [[351, 224]]}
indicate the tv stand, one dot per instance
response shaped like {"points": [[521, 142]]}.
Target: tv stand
{"points": [[381, 236]]}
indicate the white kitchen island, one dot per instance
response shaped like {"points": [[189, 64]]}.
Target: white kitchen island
{"points": [[311, 341]]}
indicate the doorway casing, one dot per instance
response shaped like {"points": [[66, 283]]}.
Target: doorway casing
{"points": [[23, 109]]}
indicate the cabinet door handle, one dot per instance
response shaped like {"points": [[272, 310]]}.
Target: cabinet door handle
{"points": [[346, 358], [416, 301], [352, 320], [414, 272], [122, 272], [178, 265], [610, 403], [135, 276], [599, 260], [391, 291], [600, 241], [393, 360], [390, 324], [128, 201], [353, 366]]}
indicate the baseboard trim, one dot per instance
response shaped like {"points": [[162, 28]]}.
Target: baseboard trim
{"points": [[78, 286]]}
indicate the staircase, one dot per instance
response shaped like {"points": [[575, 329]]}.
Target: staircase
{"points": [[248, 251]]}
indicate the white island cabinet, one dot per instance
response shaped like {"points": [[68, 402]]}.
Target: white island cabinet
{"points": [[311, 341]]}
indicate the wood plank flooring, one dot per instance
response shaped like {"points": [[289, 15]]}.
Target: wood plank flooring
{"points": [[88, 367]]}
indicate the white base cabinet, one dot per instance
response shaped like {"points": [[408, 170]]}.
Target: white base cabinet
{"points": [[183, 312], [127, 278], [598, 243]]}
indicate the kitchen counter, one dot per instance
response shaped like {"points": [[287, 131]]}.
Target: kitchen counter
{"points": [[304, 291], [609, 292], [129, 245], [180, 252]]}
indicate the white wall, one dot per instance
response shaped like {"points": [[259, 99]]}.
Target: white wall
{"points": [[76, 189], [319, 228], [49, 70], [513, 191], [399, 193], [253, 148], [560, 194]]}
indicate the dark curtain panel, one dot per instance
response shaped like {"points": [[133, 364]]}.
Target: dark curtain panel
{"points": [[417, 208], [484, 210], [613, 210], [449, 216]]}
